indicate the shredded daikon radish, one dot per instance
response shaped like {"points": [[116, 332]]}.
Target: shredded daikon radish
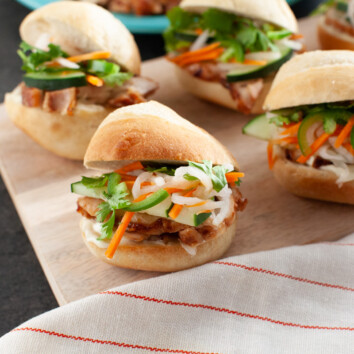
{"points": [[195, 172], [200, 41], [67, 63]]}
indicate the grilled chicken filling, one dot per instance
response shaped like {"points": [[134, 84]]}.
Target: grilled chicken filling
{"points": [[146, 227], [133, 91]]}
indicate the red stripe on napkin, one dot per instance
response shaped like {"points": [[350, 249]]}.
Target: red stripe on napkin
{"points": [[109, 342], [221, 309], [288, 276]]}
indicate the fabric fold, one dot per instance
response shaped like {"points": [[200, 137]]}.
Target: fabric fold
{"points": [[293, 300]]}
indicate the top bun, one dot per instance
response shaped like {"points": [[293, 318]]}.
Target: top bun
{"points": [[313, 78], [151, 132], [80, 28], [277, 12]]}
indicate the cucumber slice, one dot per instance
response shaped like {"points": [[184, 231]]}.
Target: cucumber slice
{"points": [[260, 128], [186, 216], [352, 137], [55, 81], [79, 188], [309, 121], [255, 72]]}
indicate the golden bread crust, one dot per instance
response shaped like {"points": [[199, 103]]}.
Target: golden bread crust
{"points": [[313, 78], [165, 258], [152, 132], [64, 135], [272, 11], [308, 182], [79, 28], [217, 93]]}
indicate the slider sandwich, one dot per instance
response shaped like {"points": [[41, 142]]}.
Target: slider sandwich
{"points": [[80, 64], [336, 25], [168, 199], [228, 51], [310, 126]]}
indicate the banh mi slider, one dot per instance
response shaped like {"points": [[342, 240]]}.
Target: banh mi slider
{"points": [[228, 51], [310, 126], [336, 25], [169, 197], [80, 64]]}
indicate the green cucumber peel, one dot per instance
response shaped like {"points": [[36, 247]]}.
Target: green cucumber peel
{"points": [[149, 202], [200, 218]]}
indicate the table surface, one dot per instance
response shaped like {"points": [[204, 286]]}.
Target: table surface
{"points": [[22, 283]]}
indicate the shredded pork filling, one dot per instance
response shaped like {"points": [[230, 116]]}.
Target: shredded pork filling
{"points": [[133, 91], [147, 227]]}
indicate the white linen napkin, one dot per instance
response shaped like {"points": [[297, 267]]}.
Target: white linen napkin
{"points": [[292, 300]]}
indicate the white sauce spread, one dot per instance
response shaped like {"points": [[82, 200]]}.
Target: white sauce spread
{"points": [[92, 230]]}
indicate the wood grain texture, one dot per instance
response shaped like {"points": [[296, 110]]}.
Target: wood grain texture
{"points": [[39, 184]]}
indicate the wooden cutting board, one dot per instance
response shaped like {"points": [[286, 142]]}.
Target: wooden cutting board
{"points": [[39, 184]]}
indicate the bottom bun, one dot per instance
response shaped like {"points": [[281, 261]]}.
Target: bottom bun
{"points": [[154, 256], [331, 38], [216, 92], [64, 135], [309, 182]]}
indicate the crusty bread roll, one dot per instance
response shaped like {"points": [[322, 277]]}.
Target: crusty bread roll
{"points": [[79, 28], [277, 12], [216, 92], [163, 258], [151, 132], [308, 182], [313, 78], [66, 136], [331, 38]]}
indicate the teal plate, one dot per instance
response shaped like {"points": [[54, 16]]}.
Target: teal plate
{"points": [[135, 24]]}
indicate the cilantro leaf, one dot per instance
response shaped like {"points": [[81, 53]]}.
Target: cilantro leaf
{"points": [[217, 173], [95, 182], [117, 198], [276, 35], [234, 51], [104, 210], [247, 36], [279, 120], [166, 170], [34, 58], [238, 182], [220, 177], [180, 19], [107, 228], [217, 20], [113, 180], [109, 72], [189, 177]]}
